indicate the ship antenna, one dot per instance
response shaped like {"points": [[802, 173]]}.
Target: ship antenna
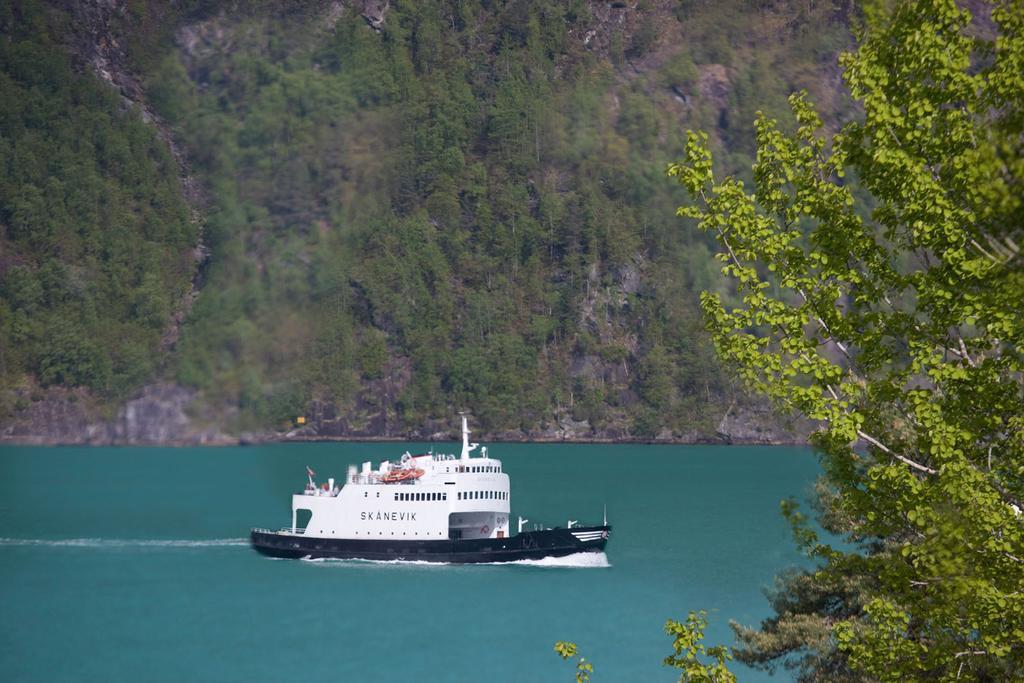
{"points": [[466, 445], [606, 514]]}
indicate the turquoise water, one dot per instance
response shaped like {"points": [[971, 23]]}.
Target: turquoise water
{"points": [[130, 564]]}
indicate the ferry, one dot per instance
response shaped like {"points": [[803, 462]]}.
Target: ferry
{"points": [[432, 507]]}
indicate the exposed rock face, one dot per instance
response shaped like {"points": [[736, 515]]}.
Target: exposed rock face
{"points": [[370, 415], [374, 11], [156, 416], [713, 84], [759, 425], [64, 416]]}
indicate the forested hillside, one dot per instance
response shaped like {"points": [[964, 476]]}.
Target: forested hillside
{"points": [[414, 208], [94, 232]]}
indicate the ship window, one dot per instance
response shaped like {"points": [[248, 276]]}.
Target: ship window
{"points": [[444, 496], [366, 494]]}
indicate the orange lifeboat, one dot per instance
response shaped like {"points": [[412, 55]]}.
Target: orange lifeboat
{"points": [[396, 476]]}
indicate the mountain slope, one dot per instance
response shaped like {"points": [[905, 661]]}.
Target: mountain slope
{"points": [[420, 208]]}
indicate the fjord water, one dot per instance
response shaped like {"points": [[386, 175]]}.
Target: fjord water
{"points": [[131, 564]]}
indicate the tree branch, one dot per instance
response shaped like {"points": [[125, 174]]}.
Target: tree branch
{"points": [[885, 449]]}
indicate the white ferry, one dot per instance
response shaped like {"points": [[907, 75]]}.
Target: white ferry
{"points": [[431, 507]]}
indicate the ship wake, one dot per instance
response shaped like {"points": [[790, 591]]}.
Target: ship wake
{"points": [[583, 560]]}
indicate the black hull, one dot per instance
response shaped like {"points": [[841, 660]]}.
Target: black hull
{"points": [[529, 545]]}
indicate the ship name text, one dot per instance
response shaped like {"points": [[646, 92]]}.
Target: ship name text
{"points": [[389, 516]]}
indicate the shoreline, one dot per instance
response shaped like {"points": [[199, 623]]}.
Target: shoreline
{"points": [[254, 440]]}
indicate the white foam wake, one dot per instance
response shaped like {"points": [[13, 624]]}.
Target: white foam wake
{"points": [[585, 560], [124, 542]]}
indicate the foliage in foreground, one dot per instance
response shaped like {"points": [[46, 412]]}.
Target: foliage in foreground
{"points": [[688, 653], [896, 322]]}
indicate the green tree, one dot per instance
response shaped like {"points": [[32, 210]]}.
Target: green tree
{"points": [[896, 323], [688, 653]]}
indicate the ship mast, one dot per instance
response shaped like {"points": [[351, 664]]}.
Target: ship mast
{"points": [[466, 445]]}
